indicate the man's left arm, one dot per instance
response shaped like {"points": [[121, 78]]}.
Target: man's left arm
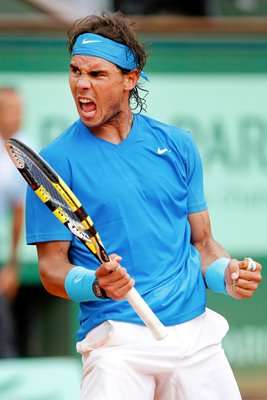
{"points": [[238, 281]]}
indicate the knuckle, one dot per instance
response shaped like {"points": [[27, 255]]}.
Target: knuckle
{"points": [[130, 284], [123, 271], [116, 297]]}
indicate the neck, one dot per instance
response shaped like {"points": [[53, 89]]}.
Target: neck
{"points": [[116, 129]]}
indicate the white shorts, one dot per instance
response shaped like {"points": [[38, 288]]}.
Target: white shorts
{"points": [[122, 361]]}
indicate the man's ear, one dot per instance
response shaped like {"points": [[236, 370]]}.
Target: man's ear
{"points": [[131, 79]]}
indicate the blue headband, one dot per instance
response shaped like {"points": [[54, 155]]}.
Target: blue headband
{"points": [[90, 44]]}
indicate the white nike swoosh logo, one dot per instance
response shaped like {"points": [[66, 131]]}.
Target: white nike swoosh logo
{"points": [[162, 151], [90, 41], [77, 280]]}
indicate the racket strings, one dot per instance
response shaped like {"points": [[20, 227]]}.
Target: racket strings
{"points": [[56, 195], [39, 182]]}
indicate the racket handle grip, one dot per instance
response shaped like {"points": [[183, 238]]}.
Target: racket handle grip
{"points": [[158, 330]]}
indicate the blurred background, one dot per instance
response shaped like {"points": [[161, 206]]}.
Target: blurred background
{"points": [[207, 73]]}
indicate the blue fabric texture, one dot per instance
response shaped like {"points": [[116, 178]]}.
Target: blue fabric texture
{"points": [[91, 44]]}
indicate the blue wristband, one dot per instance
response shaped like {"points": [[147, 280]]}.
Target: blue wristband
{"points": [[215, 275], [81, 285]]}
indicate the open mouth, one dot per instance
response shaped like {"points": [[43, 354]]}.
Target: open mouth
{"points": [[87, 106]]}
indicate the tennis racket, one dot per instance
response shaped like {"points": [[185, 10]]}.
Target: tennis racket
{"points": [[65, 206]]}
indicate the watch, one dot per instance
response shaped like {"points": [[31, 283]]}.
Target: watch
{"points": [[98, 291]]}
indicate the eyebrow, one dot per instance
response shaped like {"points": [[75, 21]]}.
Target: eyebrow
{"points": [[94, 67], [73, 65]]}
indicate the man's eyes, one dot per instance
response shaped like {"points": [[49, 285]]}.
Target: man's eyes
{"points": [[76, 71]]}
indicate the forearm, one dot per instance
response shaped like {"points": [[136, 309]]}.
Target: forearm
{"points": [[210, 250], [202, 239], [54, 266], [218, 269], [63, 279], [53, 279]]}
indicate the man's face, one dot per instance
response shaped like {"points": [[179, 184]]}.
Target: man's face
{"points": [[99, 88]]}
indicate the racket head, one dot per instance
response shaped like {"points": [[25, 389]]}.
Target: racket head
{"points": [[56, 195]]}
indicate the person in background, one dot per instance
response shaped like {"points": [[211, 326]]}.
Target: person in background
{"points": [[142, 183], [12, 198]]}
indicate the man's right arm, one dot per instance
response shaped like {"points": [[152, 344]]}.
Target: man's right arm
{"points": [[54, 266]]}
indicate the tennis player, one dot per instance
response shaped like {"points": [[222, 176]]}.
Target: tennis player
{"points": [[142, 183]]}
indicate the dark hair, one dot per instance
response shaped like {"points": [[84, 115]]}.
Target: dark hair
{"points": [[120, 29]]}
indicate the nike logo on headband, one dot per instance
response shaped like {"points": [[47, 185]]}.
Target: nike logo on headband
{"points": [[90, 41]]}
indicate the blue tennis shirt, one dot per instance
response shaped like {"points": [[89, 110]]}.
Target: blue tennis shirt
{"points": [[139, 194]]}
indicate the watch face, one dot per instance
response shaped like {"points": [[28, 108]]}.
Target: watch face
{"points": [[98, 291]]}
